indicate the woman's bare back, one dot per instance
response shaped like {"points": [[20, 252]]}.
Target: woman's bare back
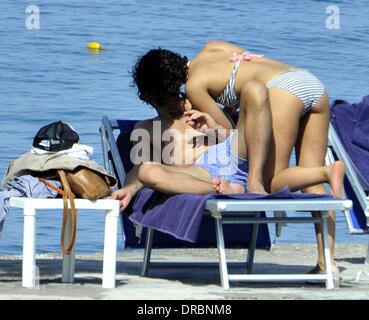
{"points": [[213, 66]]}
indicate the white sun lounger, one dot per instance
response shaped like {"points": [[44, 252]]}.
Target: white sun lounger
{"points": [[238, 212]]}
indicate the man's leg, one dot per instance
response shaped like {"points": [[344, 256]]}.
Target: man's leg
{"points": [[255, 128], [173, 180]]}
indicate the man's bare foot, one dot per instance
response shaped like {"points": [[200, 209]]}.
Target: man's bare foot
{"points": [[224, 187], [336, 175]]}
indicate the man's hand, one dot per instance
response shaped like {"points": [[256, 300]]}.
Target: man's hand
{"points": [[200, 120], [124, 196]]}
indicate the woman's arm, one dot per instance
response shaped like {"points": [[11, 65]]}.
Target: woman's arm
{"points": [[202, 101]]}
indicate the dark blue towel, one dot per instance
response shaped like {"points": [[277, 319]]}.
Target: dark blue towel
{"points": [[351, 123], [181, 215], [360, 135]]}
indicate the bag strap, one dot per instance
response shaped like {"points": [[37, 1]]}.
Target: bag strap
{"points": [[67, 195], [51, 186]]}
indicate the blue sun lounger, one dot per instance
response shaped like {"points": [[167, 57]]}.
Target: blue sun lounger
{"points": [[242, 220]]}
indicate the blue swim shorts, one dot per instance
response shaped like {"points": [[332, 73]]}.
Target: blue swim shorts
{"points": [[220, 161]]}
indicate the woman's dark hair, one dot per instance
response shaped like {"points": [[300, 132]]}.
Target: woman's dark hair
{"points": [[159, 75]]}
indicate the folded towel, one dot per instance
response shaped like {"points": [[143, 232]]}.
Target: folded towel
{"points": [[80, 151]]}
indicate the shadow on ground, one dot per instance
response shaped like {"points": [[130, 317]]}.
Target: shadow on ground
{"points": [[188, 273]]}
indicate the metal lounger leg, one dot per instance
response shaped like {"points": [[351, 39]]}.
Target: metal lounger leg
{"points": [[222, 256], [147, 253], [367, 256], [69, 260], [252, 246], [29, 247], [110, 248], [279, 225], [327, 254]]}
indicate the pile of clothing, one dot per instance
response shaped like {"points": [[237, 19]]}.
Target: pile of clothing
{"points": [[55, 146]]}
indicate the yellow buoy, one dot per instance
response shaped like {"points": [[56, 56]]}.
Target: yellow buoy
{"points": [[94, 46]]}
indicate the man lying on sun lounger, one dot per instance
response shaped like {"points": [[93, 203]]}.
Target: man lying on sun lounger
{"points": [[194, 154]]}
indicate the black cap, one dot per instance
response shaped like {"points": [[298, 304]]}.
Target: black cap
{"points": [[55, 137]]}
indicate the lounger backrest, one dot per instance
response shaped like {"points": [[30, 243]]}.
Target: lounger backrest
{"points": [[344, 118], [124, 143], [235, 235], [342, 132]]}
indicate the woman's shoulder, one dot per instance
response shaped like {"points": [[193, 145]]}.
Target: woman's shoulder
{"points": [[218, 45], [198, 79], [208, 73]]}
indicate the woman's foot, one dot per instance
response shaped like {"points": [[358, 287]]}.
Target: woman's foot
{"points": [[336, 175], [255, 187], [224, 187], [319, 270]]}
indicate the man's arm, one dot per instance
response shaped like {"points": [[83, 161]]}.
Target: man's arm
{"points": [[131, 187], [204, 122]]}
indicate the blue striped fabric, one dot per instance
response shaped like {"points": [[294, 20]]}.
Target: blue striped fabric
{"points": [[302, 84], [229, 98]]}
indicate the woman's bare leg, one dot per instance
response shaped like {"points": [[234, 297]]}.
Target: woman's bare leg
{"points": [[254, 129], [286, 115], [311, 149], [298, 178]]}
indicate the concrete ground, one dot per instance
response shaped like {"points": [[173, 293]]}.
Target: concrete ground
{"points": [[184, 281]]}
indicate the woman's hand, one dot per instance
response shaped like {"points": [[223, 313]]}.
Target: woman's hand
{"points": [[200, 120]]}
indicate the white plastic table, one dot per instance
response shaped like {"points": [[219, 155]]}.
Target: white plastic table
{"points": [[31, 205]]}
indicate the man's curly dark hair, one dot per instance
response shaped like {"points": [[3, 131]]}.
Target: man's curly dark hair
{"points": [[159, 75]]}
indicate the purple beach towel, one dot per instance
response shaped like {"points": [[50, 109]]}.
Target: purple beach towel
{"points": [[181, 215]]}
